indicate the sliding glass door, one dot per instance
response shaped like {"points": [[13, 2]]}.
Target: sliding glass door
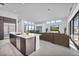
{"points": [[76, 35], [74, 29]]}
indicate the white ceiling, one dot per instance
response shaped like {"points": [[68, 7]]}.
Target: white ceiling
{"points": [[38, 12]]}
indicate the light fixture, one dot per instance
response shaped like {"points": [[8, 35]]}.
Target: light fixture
{"points": [[49, 9]]}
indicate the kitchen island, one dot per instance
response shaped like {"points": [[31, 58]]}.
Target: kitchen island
{"points": [[25, 43]]}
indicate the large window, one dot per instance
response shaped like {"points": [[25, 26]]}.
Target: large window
{"points": [[28, 26], [54, 25], [74, 28], [54, 22]]}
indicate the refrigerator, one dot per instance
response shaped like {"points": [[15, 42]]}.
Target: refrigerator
{"points": [[8, 27]]}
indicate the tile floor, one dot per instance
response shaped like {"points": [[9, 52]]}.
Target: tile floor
{"points": [[46, 49], [7, 49], [49, 49]]}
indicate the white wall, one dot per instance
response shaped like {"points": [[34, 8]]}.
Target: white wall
{"points": [[21, 26], [10, 15], [63, 25], [71, 16]]}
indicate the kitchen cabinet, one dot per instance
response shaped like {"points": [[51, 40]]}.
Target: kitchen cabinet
{"points": [[7, 25], [1, 28], [26, 44]]}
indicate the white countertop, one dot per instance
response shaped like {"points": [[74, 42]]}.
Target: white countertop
{"points": [[29, 36], [25, 35]]}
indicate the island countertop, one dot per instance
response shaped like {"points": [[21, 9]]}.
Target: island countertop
{"points": [[18, 34], [25, 43]]}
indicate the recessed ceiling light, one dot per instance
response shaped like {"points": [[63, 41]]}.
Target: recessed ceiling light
{"points": [[49, 9]]}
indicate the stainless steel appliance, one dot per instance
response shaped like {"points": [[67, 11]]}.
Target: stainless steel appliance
{"points": [[8, 27]]}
